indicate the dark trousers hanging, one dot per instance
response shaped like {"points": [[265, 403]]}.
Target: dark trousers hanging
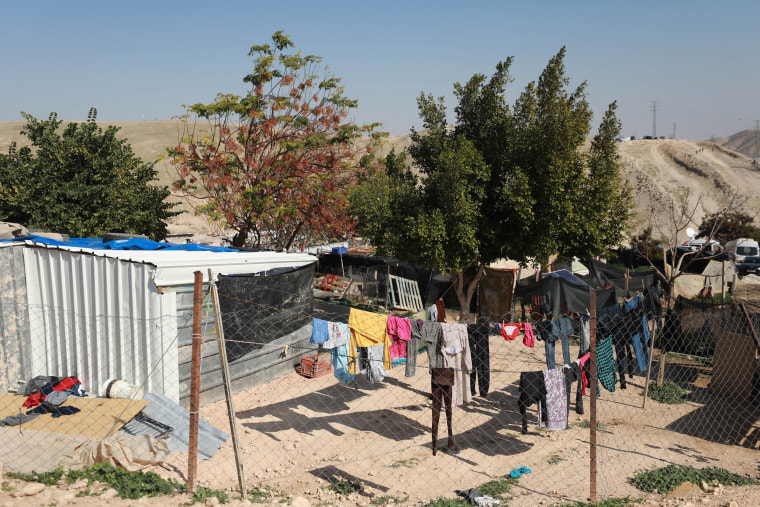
{"points": [[481, 360], [441, 396]]}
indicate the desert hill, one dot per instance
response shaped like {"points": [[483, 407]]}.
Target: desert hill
{"points": [[744, 142], [658, 170]]}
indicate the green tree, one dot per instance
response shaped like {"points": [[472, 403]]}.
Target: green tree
{"points": [[504, 182], [725, 227], [83, 182], [276, 164]]}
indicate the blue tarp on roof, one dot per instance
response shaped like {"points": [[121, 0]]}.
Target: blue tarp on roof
{"points": [[123, 244]]}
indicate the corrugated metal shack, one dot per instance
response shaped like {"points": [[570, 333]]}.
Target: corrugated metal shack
{"points": [[127, 314]]}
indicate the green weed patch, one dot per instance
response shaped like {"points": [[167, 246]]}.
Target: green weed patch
{"points": [[666, 479], [669, 393]]}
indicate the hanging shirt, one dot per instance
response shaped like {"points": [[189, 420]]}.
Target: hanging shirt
{"points": [[431, 334], [457, 355], [400, 332], [606, 364], [412, 346], [367, 330], [319, 331], [338, 335]]}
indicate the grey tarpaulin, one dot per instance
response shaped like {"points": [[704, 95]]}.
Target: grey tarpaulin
{"points": [[164, 410], [562, 297], [601, 274]]}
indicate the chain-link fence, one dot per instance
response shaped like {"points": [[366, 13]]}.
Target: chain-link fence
{"points": [[387, 405]]}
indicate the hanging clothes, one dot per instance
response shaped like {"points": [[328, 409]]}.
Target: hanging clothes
{"points": [[400, 332], [456, 354], [319, 331], [638, 329], [374, 364], [561, 329], [510, 331], [529, 339], [367, 330], [478, 336], [340, 364], [441, 387], [432, 335], [441, 310], [585, 334], [605, 364], [412, 346], [338, 335], [432, 313], [611, 322], [533, 389]]}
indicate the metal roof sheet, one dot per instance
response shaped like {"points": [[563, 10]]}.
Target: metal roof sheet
{"points": [[175, 268]]}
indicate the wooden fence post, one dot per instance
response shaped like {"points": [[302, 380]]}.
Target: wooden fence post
{"points": [[195, 383]]}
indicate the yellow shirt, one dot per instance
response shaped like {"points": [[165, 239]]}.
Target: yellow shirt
{"points": [[368, 329]]}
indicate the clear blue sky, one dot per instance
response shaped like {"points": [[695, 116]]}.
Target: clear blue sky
{"points": [[140, 60]]}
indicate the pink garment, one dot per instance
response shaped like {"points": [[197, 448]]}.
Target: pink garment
{"points": [[584, 358], [529, 339], [400, 331]]}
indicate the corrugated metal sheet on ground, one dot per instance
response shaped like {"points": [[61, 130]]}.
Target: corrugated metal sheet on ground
{"points": [[162, 409]]}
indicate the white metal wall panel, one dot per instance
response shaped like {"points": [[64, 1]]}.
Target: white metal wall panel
{"points": [[100, 318]]}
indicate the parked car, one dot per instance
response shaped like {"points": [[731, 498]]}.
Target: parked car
{"points": [[750, 265], [695, 244]]}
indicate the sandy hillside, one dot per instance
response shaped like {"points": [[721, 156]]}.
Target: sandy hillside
{"points": [[658, 170]]}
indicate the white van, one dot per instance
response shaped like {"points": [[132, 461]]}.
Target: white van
{"points": [[742, 247]]}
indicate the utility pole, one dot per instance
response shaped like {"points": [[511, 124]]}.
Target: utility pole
{"points": [[674, 130], [654, 118], [757, 140]]}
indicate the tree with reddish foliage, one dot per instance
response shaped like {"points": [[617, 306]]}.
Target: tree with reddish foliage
{"points": [[277, 164]]}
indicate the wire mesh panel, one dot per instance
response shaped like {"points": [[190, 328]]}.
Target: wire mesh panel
{"points": [[697, 409], [359, 405]]}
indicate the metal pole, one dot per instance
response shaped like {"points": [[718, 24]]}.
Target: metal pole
{"points": [[227, 383], [722, 282], [195, 383], [592, 388], [649, 365]]}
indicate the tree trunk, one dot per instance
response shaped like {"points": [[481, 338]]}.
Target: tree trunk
{"points": [[464, 295], [239, 239]]}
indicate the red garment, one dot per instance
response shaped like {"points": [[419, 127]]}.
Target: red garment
{"points": [[529, 339], [63, 385], [510, 331], [584, 383], [441, 310]]}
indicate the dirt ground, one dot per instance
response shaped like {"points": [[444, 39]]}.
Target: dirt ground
{"points": [[299, 434]]}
